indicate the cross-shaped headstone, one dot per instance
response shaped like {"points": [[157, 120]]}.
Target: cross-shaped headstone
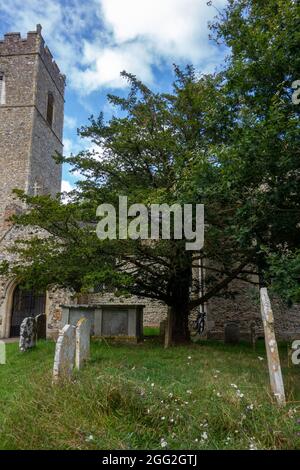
{"points": [[36, 189]]}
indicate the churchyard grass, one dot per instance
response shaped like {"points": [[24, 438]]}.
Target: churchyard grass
{"points": [[151, 331], [205, 396]]}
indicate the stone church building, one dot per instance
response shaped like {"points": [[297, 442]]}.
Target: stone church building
{"points": [[31, 131]]}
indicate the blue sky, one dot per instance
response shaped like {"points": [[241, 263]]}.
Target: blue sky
{"points": [[94, 40]]}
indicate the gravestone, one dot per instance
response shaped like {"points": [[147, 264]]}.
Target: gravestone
{"points": [[117, 321], [162, 328], [41, 325], [2, 353], [232, 333], [64, 359], [253, 334], [83, 332], [168, 329], [271, 347], [27, 334]]}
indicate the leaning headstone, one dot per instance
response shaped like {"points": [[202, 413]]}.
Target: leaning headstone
{"points": [[27, 334], [83, 332], [2, 353], [64, 359], [41, 323], [271, 347], [232, 333]]}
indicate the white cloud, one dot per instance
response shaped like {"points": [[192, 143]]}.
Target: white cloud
{"points": [[69, 147], [66, 186], [94, 41], [78, 144], [173, 27], [107, 63], [70, 122]]}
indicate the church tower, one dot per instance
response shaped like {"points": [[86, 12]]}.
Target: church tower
{"points": [[31, 120]]}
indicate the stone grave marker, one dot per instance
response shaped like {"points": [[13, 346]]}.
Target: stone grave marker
{"points": [[41, 325], [2, 353], [271, 347], [83, 332], [168, 329], [162, 328], [232, 333], [253, 334], [64, 359], [27, 334]]}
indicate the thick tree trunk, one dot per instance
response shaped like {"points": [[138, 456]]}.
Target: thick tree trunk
{"points": [[177, 331]]}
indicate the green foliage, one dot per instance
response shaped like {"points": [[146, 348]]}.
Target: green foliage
{"points": [[284, 272]]}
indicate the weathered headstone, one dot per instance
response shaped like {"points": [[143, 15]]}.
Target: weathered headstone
{"points": [[232, 333], [27, 334], [162, 328], [83, 331], [253, 334], [41, 325], [64, 359], [271, 347], [168, 330], [2, 353]]}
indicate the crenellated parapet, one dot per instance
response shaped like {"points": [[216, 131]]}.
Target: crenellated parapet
{"points": [[14, 44]]}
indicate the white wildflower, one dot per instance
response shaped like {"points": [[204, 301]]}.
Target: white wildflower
{"points": [[163, 442], [292, 412], [252, 446]]}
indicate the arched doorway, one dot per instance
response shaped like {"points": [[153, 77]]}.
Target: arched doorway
{"points": [[25, 303]]}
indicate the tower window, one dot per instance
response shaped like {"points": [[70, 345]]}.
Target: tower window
{"points": [[50, 109], [2, 88]]}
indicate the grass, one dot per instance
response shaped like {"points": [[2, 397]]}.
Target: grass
{"points": [[145, 397], [151, 331]]}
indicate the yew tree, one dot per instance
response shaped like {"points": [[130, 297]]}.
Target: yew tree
{"points": [[228, 140]]}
